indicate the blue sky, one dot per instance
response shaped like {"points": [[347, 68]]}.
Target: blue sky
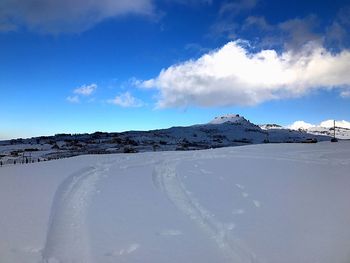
{"points": [[68, 66]]}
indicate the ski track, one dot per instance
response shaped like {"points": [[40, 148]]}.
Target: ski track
{"points": [[166, 180], [67, 239], [67, 236]]}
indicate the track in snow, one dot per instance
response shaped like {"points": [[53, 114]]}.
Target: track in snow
{"points": [[166, 180], [67, 237]]}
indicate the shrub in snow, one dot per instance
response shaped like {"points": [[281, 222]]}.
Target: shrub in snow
{"points": [[128, 149], [55, 147]]}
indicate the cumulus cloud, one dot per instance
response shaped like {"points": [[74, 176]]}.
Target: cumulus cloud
{"points": [[73, 99], [82, 91], [232, 75], [330, 124], [53, 16], [300, 125], [324, 124], [85, 90], [126, 100], [345, 94]]}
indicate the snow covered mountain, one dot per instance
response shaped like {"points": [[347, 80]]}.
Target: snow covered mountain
{"points": [[229, 118], [227, 130]]}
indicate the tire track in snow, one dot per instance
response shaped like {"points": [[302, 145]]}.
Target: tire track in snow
{"points": [[166, 180], [67, 236]]}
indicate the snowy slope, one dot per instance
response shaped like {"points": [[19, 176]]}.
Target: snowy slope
{"points": [[340, 132], [260, 203]]}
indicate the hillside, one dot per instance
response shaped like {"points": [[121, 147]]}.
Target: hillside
{"points": [[223, 131]]}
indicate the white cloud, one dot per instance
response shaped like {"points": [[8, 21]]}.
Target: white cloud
{"points": [[324, 124], [85, 90], [73, 99], [232, 75], [126, 100], [345, 94], [82, 91], [330, 123], [57, 16], [301, 125]]}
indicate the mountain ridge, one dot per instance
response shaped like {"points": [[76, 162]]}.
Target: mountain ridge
{"points": [[222, 131]]}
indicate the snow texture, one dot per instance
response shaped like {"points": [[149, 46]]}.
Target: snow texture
{"points": [[259, 203]]}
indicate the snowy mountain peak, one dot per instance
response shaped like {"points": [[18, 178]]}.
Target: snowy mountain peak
{"points": [[301, 125], [233, 118], [270, 126]]}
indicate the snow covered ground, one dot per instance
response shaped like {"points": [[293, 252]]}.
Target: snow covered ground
{"points": [[268, 203]]}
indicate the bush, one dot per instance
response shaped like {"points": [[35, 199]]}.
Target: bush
{"points": [[55, 147], [155, 147], [131, 141], [162, 142], [116, 140], [129, 150], [31, 149]]}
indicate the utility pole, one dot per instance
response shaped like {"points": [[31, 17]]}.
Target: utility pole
{"points": [[334, 139]]}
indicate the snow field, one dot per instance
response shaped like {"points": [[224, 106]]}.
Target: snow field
{"points": [[261, 203]]}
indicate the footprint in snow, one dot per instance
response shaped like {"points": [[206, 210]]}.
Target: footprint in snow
{"points": [[132, 248], [245, 195], [124, 251], [230, 226], [203, 171], [29, 250], [238, 212], [240, 186], [170, 232], [33, 250], [256, 203]]}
